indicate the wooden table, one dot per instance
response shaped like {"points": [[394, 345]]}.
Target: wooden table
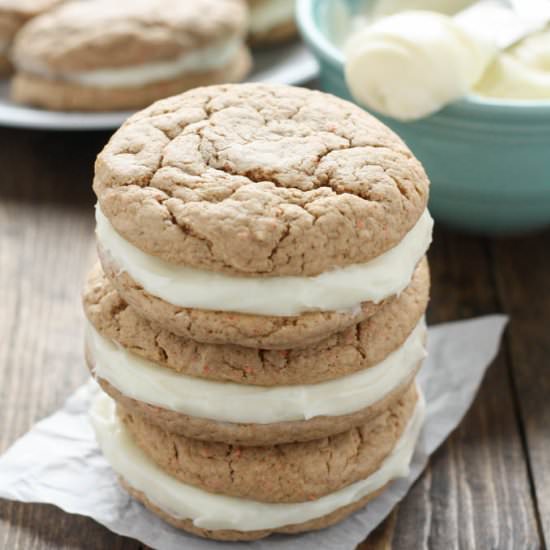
{"points": [[488, 486]]}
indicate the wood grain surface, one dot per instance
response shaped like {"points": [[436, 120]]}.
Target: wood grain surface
{"points": [[488, 486]]}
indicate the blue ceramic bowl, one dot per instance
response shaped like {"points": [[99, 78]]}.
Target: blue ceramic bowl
{"points": [[488, 160]]}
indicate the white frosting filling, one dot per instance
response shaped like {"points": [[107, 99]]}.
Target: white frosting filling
{"points": [[151, 383], [269, 14], [199, 60], [342, 289], [211, 511]]}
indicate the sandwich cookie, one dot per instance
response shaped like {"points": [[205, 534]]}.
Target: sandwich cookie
{"points": [[223, 517], [105, 55], [13, 15], [272, 21], [259, 215], [295, 472], [354, 349]]}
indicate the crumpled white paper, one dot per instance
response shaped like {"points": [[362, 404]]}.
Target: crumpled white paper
{"points": [[58, 461]]}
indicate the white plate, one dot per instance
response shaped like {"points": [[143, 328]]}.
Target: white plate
{"points": [[291, 64]]}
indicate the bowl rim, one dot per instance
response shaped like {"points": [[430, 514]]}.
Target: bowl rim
{"points": [[328, 52]]}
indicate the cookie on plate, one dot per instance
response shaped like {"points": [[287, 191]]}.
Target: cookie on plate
{"points": [[105, 55], [259, 215], [13, 15], [225, 492], [272, 21]]}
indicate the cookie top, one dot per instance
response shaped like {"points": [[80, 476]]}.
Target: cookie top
{"points": [[355, 348], [259, 180], [85, 36], [295, 472]]}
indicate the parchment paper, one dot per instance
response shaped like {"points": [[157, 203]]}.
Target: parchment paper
{"points": [[58, 461]]}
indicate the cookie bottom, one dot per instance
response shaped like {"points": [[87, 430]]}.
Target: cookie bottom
{"points": [[62, 95], [233, 535], [283, 32]]}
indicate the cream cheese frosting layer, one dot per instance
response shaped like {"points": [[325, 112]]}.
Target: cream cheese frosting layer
{"points": [[338, 290], [211, 511], [522, 72], [269, 14], [151, 383], [199, 60]]}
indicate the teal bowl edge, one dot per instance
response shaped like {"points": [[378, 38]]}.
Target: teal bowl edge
{"points": [[488, 160]]}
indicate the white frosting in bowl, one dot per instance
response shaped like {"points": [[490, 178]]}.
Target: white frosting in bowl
{"points": [[412, 64], [522, 72], [151, 383], [339, 290], [212, 511], [409, 64]]}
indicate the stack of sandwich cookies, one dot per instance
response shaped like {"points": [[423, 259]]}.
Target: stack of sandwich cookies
{"points": [[258, 317], [129, 53]]}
